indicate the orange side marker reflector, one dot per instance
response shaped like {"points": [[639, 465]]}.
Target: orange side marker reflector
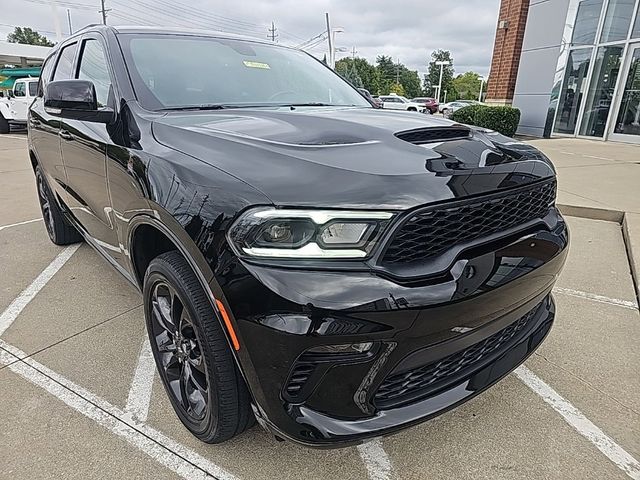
{"points": [[227, 323]]}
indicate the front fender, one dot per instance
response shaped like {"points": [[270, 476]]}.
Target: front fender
{"points": [[5, 110]]}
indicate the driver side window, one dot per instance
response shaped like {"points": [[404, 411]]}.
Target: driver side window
{"points": [[93, 67], [19, 90]]}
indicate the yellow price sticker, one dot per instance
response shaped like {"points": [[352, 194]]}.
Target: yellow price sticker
{"points": [[256, 65]]}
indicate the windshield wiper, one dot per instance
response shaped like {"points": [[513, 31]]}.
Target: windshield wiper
{"points": [[315, 104], [204, 106]]}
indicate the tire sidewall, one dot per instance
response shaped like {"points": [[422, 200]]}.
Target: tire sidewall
{"points": [[160, 272]]}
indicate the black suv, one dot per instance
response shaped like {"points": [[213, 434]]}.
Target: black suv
{"points": [[335, 271]]}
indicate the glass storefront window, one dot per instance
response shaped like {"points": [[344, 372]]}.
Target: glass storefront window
{"points": [[617, 20], [628, 121], [573, 89], [606, 69], [584, 30], [636, 26]]}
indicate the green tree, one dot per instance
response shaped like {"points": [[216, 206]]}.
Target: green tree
{"points": [[397, 88], [386, 74], [467, 85], [410, 81], [432, 78], [358, 68], [28, 36]]}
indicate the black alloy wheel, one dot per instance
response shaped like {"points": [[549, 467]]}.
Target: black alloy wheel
{"points": [[60, 231], [179, 349], [192, 355]]}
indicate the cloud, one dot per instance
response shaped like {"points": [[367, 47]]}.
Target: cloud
{"points": [[406, 29]]}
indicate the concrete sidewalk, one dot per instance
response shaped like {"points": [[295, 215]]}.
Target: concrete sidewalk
{"points": [[600, 180]]}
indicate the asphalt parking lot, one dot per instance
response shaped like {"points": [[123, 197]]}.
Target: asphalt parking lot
{"points": [[79, 397]]}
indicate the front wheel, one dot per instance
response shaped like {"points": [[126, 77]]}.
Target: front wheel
{"points": [[4, 125], [191, 352]]}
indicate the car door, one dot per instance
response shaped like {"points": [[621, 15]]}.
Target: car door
{"points": [[84, 145], [44, 127], [19, 103]]}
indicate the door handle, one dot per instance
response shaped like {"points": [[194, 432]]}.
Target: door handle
{"points": [[35, 123], [65, 135]]}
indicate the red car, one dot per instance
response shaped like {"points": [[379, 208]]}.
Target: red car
{"points": [[431, 104]]}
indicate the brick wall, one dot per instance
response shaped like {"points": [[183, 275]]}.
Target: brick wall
{"points": [[512, 21]]}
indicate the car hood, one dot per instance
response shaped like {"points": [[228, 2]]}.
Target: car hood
{"points": [[350, 157]]}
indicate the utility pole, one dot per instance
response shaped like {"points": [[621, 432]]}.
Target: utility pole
{"points": [[69, 20], [272, 32], [481, 84], [397, 71], [104, 11], [330, 40]]}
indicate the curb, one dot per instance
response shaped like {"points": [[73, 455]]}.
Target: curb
{"points": [[630, 225]]}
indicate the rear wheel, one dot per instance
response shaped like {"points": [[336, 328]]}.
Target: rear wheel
{"points": [[192, 355], [4, 125], [412, 109], [60, 231]]}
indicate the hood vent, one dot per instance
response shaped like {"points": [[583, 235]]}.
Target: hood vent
{"points": [[434, 134]]}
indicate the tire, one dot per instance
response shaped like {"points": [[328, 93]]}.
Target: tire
{"points": [[60, 231], [195, 361], [4, 125], [411, 109]]}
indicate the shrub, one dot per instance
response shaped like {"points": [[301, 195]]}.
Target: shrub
{"points": [[502, 119], [467, 115]]}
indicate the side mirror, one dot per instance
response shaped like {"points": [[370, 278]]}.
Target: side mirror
{"points": [[75, 99], [10, 93]]}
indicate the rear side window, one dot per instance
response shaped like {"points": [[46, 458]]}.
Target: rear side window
{"points": [[93, 67], [33, 89], [64, 69]]}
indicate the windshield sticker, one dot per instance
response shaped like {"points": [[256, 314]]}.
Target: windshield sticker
{"points": [[256, 64]]}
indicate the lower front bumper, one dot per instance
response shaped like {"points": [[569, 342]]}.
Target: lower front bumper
{"points": [[335, 432]]}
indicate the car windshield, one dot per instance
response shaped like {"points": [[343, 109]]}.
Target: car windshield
{"points": [[182, 71]]}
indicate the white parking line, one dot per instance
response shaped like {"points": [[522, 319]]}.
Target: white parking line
{"points": [[17, 137], [142, 384], [173, 455], [582, 424], [14, 309], [375, 460], [597, 298], [2, 227]]}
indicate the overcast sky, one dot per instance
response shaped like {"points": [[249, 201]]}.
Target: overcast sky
{"points": [[406, 29]]}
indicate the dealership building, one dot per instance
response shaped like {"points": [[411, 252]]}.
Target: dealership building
{"points": [[571, 66]]}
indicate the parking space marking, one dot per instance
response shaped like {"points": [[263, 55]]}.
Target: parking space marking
{"points": [[173, 455], [22, 300], [142, 385], [14, 136], [375, 460], [582, 424], [597, 298], [2, 227]]}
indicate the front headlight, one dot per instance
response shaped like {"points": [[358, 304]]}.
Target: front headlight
{"points": [[292, 233]]}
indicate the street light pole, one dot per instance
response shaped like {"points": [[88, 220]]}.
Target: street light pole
{"points": [[442, 63], [481, 84]]}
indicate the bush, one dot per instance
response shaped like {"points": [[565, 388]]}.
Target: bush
{"points": [[501, 119], [466, 115]]}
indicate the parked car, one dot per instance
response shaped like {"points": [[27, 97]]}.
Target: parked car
{"points": [[448, 108], [14, 107], [398, 102], [430, 104], [333, 271], [374, 101]]}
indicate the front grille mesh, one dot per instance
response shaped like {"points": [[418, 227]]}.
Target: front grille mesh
{"points": [[431, 231], [409, 385]]}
